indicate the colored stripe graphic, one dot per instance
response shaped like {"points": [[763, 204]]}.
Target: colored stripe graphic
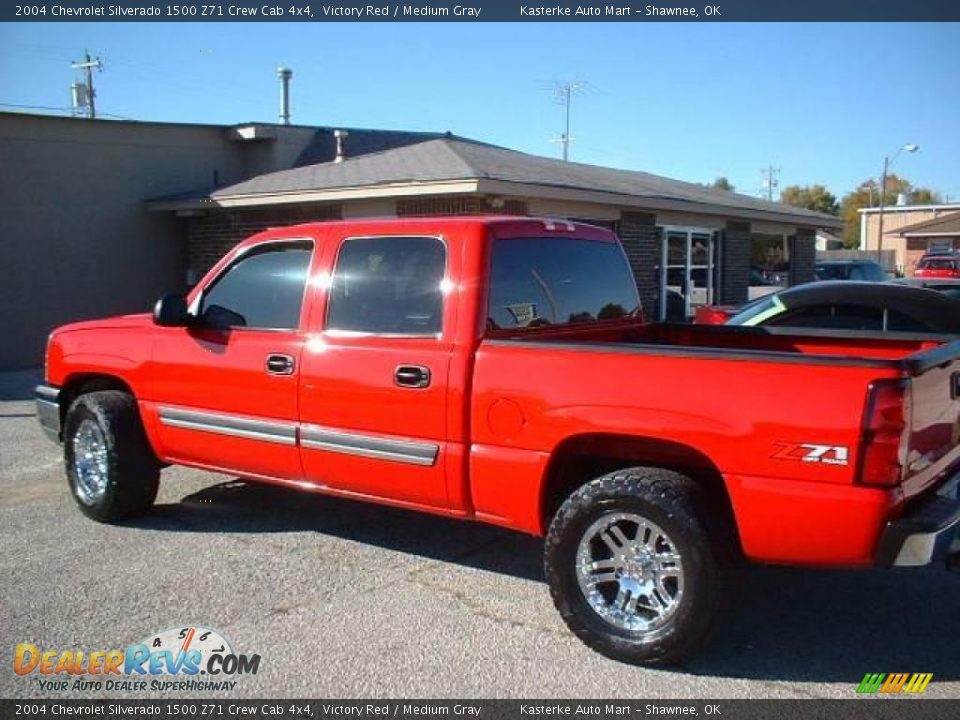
{"points": [[894, 683], [871, 682], [918, 683]]}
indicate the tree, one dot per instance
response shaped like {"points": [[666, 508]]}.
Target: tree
{"points": [[811, 197], [722, 183], [867, 194]]}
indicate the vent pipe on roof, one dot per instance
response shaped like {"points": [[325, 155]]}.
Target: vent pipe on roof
{"points": [[284, 74], [340, 135]]}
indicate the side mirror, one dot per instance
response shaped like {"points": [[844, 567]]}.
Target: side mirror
{"points": [[171, 311]]}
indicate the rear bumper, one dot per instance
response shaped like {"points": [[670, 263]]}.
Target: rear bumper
{"points": [[48, 410], [929, 532]]}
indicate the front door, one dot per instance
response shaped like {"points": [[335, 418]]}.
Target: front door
{"points": [[373, 393], [687, 277], [228, 385]]}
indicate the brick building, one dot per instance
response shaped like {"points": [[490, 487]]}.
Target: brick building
{"points": [[102, 216], [907, 247]]}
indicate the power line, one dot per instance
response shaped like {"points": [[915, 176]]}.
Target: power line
{"points": [[35, 107]]}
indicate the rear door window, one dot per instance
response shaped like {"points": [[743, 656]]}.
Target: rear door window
{"points": [[388, 286]]}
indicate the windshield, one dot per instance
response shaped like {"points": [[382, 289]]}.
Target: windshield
{"points": [[937, 264], [851, 271], [758, 311]]}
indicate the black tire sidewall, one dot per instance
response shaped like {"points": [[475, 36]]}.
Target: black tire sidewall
{"points": [[132, 472]]}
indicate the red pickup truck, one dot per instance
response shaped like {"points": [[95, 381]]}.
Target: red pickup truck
{"points": [[500, 370]]}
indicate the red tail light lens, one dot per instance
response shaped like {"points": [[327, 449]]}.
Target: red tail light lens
{"points": [[884, 426]]}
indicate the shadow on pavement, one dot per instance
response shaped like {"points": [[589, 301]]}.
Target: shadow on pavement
{"points": [[786, 624], [243, 507]]}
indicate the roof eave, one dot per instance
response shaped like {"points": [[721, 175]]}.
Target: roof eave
{"points": [[651, 202]]}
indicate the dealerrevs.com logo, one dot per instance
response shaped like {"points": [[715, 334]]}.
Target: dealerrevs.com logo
{"points": [[189, 658]]}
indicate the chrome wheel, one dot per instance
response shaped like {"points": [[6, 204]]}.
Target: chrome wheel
{"points": [[90, 462], [630, 572]]}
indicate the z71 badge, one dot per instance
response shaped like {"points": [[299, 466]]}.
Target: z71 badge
{"points": [[812, 453]]}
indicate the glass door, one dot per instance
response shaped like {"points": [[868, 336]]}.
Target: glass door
{"points": [[687, 269]]}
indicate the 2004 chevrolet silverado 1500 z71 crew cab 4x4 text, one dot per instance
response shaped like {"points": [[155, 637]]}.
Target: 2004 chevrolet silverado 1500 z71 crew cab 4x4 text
{"points": [[499, 369]]}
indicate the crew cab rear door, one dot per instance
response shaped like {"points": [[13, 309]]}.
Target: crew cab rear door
{"points": [[225, 388], [373, 385]]}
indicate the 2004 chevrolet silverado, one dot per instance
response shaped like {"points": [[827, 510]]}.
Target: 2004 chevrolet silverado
{"points": [[500, 370]]}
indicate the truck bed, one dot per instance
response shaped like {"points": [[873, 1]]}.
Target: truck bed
{"points": [[910, 354], [731, 400]]}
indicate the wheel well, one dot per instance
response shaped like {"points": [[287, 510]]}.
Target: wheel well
{"points": [[84, 383], [582, 458]]}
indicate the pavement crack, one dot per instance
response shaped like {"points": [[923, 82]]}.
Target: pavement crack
{"points": [[479, 610]]}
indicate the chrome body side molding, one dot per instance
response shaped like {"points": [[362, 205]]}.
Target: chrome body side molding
{"points": [[415, 452], [273, 431]]}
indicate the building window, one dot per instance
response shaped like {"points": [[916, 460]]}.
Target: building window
{"points": [[465, 205]]}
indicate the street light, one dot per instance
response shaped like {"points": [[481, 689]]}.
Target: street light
{"points": [[887, 162]]}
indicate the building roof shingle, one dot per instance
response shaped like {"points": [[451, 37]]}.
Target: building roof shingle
{"points": [[451, 158]]}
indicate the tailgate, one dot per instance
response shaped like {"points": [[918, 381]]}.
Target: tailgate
{"points": [[933, 444]]}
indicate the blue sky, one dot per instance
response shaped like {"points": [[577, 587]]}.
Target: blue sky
{"points": [[823, 102]]}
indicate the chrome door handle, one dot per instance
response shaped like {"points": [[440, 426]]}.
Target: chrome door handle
{"points": [[279, 364], [411, 376]]}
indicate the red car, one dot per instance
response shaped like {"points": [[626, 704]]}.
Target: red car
{"points": [[499, 370], [938, 266]]}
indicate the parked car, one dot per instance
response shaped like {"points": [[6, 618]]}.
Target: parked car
{"points": [[499, 370], [947, 286], [938, 265], [850, 270], [857, 306]]}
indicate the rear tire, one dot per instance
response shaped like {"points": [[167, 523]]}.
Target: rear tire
{"points": [[112, 471], [632, 567]]}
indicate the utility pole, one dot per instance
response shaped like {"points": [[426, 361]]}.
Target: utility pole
{"points": [[771, 180], [887, 162], [88, 65]]}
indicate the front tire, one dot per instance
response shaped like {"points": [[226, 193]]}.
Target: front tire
{"points": [[111, 469], [632, 568]]}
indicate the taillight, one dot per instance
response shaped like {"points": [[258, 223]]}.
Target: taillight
{"points": [[884, 428]]}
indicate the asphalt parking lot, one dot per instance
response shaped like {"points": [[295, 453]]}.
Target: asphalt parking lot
{"points": [[348, 600]]}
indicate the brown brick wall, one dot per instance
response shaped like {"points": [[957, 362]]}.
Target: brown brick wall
{"points": [[803, 256], [210, 237], [733, 256], [641, 242]]}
